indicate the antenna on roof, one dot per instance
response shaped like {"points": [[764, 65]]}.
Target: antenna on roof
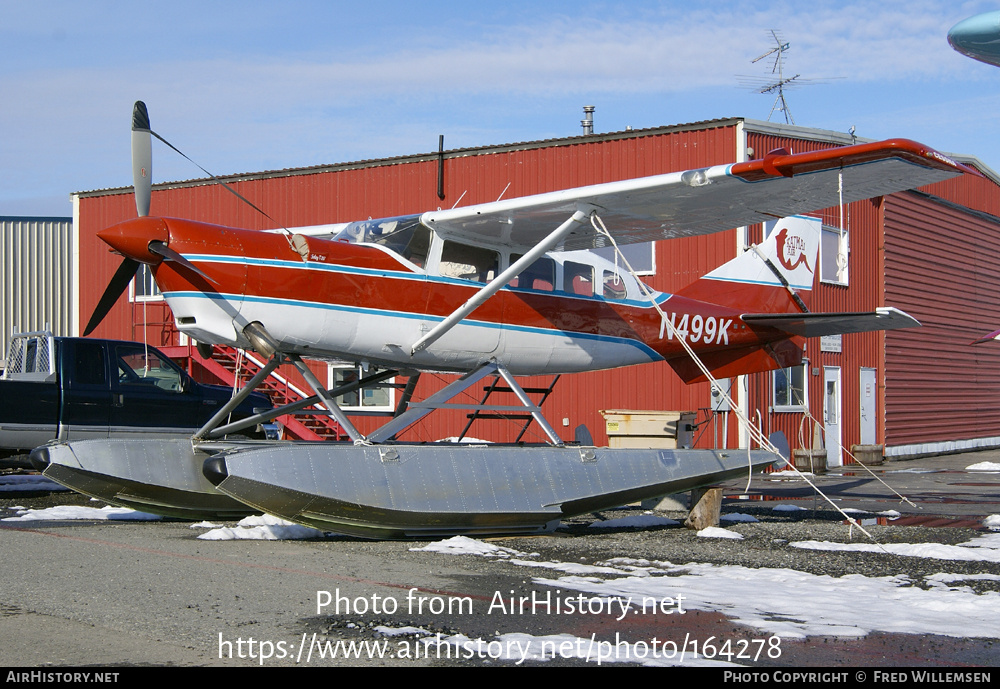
{"points": [[779, 85], [777, 82]]}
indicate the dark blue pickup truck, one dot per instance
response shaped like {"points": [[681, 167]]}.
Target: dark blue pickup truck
{"points": [[81, 388]]}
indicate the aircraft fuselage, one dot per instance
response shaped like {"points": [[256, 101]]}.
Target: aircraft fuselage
{"points": [[363, 302]]}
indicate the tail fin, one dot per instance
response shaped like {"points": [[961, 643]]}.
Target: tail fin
{"points": [[770, 285], [776, 276]]}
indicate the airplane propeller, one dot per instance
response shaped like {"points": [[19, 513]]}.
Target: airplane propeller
{"points": [[119, 283], [142, 165], [142, 158]]}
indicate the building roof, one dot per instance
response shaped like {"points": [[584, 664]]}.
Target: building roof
{"points": [[757, 126], [35, 218]]}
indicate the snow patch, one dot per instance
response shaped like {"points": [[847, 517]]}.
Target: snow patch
{"points": [[463, 545], [795, 605], [984, 549], [716, 532], [739, 517], [786, 474], [262, 528], [74, 512]]}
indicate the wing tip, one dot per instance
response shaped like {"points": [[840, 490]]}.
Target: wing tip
{"points": [[995, 335]]}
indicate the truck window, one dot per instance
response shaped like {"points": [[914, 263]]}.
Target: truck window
{"points": [[30, 353], [136, 368], [89, 364]]}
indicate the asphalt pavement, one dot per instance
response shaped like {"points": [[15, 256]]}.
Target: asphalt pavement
{"points": [[108, 594]]}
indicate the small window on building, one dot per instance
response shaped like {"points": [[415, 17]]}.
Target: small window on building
{"points": [[144, 287], [833, 252], [789, 388], [378, 397], [468, 262], [642, 257], [540, 275], [578, 278], [832, 405]]}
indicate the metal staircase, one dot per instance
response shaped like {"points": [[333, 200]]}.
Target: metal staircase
{"points": [[230, 366]]}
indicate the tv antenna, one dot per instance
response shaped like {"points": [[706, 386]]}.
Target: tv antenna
{"points": [[778, 68]]}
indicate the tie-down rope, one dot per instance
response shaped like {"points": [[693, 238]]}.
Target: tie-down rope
{"points": [[755, 433]]}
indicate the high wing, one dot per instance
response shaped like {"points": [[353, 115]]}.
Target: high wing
{"points": [[682, 204]]}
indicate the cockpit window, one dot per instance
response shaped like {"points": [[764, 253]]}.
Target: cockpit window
{"points": [[614, 286], [540, 275], [578, 278], [404, 235], [468, 262]]}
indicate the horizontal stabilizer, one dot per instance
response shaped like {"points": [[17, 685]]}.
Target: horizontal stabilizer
{"points": [[819, 324]]}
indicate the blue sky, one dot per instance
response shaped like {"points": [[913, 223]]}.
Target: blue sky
{"points": [[250, 86]]}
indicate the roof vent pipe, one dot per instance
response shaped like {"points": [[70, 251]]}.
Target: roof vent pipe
{"points": [[588, 119]]}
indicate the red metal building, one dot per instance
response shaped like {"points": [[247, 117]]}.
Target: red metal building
{"points": [[934, 253]]}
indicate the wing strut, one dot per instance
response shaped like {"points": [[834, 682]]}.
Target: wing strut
{"points": [[491, 288], [331, 405], [237, 399]]}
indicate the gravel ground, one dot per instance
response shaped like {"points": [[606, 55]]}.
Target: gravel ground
{"points": [[60, 586]]}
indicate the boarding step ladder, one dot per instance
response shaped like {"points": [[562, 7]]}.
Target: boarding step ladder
{"points": [[496, 387]]}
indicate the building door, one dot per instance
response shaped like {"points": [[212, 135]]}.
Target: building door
{"points": [[869, 412], [831, 415]]}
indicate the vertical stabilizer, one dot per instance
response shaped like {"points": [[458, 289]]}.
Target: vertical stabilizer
{"points": [[760, 279]]}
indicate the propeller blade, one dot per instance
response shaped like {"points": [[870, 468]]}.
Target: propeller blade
{"points": [[161, 249], [142, 158], [119, 283]]}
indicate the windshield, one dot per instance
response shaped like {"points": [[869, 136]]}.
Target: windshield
{"points": [[404, 235]]}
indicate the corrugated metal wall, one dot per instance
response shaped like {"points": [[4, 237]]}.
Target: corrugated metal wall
{"points": [[943, 267], [409, 185], [37, 284], [976, 193]]}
